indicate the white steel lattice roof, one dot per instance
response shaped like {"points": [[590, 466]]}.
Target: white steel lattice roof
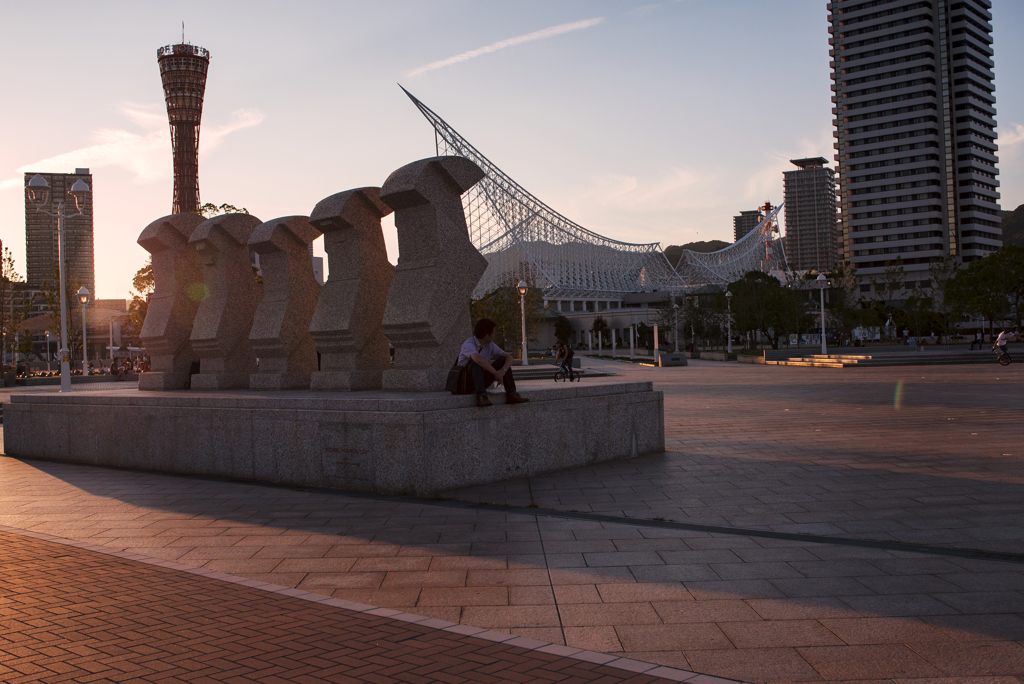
{"points": [[525, 239]]}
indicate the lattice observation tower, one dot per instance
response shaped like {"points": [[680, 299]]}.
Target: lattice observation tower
{"points": [[183, 69]]}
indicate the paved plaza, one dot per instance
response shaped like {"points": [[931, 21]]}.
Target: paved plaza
{"points": [[905, 478]]}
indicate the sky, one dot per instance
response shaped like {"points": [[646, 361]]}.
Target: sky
{"points": [[641, 121]]}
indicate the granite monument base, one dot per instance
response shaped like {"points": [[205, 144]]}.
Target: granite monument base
{"points": [[346, 381], [399, 380], [158, 381], [387, 442]]}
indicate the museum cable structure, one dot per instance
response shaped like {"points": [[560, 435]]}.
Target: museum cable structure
{"points": [[525, 239]]}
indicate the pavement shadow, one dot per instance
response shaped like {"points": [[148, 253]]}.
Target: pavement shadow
{"points": [[663, 577]]}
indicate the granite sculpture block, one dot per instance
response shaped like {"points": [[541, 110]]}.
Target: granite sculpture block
{"points": [[178, 289], [346, 325], [280, 328], [392, 442], [427, 315], [220, 334]]}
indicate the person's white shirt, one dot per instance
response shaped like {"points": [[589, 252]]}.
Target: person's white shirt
{"points": [[1004, 338], [474, 346]]}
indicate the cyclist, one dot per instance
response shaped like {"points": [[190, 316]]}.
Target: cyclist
{"points": [[565, 354], [1004, 338]]}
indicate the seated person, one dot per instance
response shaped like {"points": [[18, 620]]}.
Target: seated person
{"points": [[485, 363], [565, 353]]}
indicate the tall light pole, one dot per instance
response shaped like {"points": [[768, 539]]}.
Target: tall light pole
{"points": [[47, 351], [822, 284], [675, 328], [38, 189], [728, 303], [522, 305], [83, 296]]}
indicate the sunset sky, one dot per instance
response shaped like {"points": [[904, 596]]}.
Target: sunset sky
{"points": [[641, 121]]}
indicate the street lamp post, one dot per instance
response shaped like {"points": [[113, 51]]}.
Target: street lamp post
{"points": [[83, 296], [728, 303], [38, 189], [522, 305], [47, 351], [822, 284], [675, 328]]}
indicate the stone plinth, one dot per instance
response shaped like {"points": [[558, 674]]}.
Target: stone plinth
{"points": [[427, 314], [178, 281], [280, 329], [346, 326], [392, 442], [220, 334]]}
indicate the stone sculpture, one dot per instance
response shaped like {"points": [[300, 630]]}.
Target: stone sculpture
{"points": [[346, 325], [427, 315], [280, 328], [178, 289], [220, 334]]}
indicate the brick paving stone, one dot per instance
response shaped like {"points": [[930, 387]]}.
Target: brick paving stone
{"points": [[627, 590], [919, 473], [69, 614]]}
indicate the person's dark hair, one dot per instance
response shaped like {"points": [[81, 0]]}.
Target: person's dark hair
{"points": [[484, 327]]}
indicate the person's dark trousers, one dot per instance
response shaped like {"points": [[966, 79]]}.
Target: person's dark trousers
{"points": [[483, 379], [567, 369]]}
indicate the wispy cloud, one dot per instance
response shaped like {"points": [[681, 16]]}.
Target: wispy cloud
{"points": [[1013, 136], [653, 6], [146, 154], [550, 32]]}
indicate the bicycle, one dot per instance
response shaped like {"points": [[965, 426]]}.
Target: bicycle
{"points": [[1001, 356], [562, 374]]}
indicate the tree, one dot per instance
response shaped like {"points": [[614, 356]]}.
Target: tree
{"points": [[890, 282], [981, 289], [503, 307], [563, 329], [51, 293], [844, 310], [144, 284], [12, 312], [945, 306], [761, 303], [703, 319], [918, 313], [1007, 266], [209, 210]]}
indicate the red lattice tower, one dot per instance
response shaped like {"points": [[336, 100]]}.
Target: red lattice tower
{"points": [[183, 70]]}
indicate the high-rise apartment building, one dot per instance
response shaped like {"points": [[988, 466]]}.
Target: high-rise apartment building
{"points": [[915, 132], [41, 244], [745, 222], [812, 230]]}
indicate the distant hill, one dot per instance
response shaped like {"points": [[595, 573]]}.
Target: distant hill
{"points": [[673, 252], [1013, 227]]}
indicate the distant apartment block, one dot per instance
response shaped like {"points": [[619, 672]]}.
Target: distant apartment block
{"points": [[812, 228], [914, 108], [41, 244], [745, 222]]}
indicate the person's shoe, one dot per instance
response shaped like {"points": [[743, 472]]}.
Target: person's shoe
{"points": [[516, 398], [482, 401]]}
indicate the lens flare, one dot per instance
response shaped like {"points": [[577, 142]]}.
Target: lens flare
{"points": [[897, 396]]}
